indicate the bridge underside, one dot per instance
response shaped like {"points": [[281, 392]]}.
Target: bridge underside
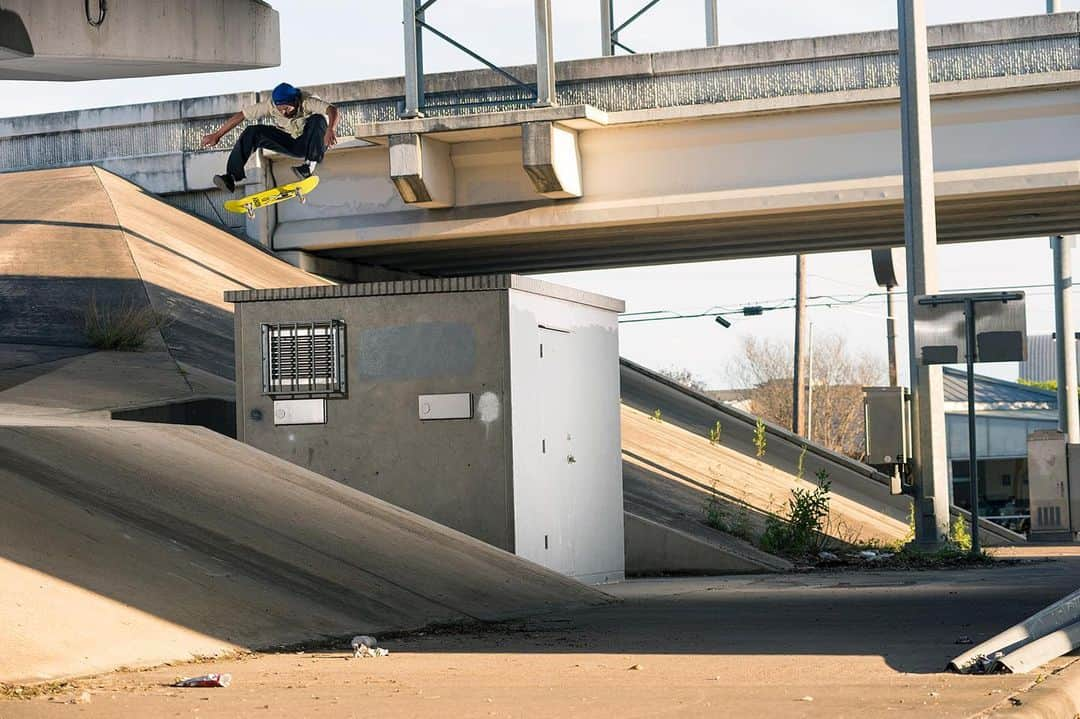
{"points": [[959, 220]]}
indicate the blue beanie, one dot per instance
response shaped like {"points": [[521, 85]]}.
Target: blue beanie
{"points": [[285, 94]]}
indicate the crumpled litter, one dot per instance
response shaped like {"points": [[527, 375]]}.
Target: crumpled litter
{"points": [[364, 646], [206, 680]]}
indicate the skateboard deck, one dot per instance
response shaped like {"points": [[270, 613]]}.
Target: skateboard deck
{"points": [[273, 196]]}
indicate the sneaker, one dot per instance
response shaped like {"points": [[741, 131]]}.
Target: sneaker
{"points": [[302, 172], [225, 182]]}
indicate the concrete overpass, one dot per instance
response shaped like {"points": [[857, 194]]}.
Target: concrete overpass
{"points": [[768, 148], [98, 40]]}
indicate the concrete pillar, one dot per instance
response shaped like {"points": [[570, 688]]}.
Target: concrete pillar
{"points": [[920, 237], [545, 56], [1065, 345], [550, 156], [267, 219], [421, 170], [414, 60], [798, 387]]}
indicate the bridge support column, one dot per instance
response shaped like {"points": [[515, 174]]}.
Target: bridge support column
{"points": [[421, 170], [550, 156], [920, 236]]}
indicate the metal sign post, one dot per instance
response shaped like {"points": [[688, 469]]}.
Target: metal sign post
{"points": [[995, 336]]}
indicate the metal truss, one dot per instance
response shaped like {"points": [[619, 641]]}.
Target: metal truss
{"points": [[609, 34], [542, 93]]}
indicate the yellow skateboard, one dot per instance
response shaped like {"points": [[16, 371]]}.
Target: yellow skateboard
{"points": [[274, 195]]}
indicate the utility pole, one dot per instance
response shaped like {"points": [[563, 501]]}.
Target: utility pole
{"points": [[798, 384], [890, 334], [920, 238], [810, 384]]}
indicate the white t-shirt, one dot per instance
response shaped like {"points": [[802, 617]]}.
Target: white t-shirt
{"points": [[309, 105]]}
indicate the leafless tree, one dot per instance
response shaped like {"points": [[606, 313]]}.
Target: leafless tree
{"points": [[685, 377], [765, 368]]}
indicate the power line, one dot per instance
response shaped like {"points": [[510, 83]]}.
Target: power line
{"points": [[830, 301]]}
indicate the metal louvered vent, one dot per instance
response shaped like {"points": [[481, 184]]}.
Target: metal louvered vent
{"points": [[304, 358]]}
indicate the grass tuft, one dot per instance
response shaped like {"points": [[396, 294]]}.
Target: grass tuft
{"points": [[122, 328]]}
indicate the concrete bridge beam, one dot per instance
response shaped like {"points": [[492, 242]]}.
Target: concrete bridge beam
{"points": [[550, 156], [422, 170]]}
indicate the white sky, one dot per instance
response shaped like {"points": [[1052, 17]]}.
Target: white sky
{"points": [[341, 40]]}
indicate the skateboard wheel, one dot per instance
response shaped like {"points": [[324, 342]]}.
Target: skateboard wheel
{"points": [[300, 196]]}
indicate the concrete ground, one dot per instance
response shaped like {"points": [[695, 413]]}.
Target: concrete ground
{"points": [[820, 644]]}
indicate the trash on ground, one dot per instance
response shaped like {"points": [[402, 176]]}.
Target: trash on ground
{"points": [[365, 646], [633, 668], [807, 698], [963, 639], [868, 554], [828, 556], [83, 698], [206, 680]]}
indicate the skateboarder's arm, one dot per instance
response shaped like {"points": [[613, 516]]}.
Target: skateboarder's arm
{"points": [[331, 125], [316, 104], [214, 137]]}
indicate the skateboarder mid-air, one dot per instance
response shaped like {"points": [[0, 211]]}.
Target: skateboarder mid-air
{"points": [[305, 129]]}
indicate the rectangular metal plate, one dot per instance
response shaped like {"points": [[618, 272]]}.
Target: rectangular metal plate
{"points": [[446, 406], [299, 411], [1000, 330]]}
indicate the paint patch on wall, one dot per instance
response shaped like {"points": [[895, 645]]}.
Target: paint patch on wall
{"points": [[487, 407], [417, 351]]}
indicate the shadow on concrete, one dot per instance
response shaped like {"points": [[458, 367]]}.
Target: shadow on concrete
{"points": [[214, 413], [912, 620], [650, 494], [51, 311], [187, 530], [13, 35]]}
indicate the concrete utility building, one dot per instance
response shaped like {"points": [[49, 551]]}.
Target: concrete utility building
{"points": [[489, 404]]}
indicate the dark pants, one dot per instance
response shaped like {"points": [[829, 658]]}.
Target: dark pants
{"points": [[311, 145]]}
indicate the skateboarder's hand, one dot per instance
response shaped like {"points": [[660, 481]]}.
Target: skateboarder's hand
{"points": [[331, 138], [211, 139]]}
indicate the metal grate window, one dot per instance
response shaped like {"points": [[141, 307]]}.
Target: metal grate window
{"points": [[303, 358]]}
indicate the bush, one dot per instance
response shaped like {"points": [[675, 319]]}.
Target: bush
{"points": [[715, 516], [123, 328], [959, 536], [801, 533]]}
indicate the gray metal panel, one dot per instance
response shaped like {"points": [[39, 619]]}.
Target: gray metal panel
{"points": [[1000, 328], [445, 406], [299, 411], [1048, 485], [886, 425]]}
